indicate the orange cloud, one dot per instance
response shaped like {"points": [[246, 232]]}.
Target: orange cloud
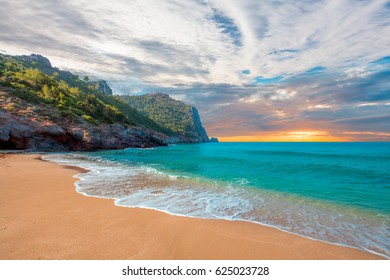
{"points": [[287, 136], [367, 135], [370, 133]]}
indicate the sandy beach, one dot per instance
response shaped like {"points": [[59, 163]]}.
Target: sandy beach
{"points": [[43, 217]]}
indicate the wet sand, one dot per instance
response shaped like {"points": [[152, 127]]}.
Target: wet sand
{"points": [[43, 217]]}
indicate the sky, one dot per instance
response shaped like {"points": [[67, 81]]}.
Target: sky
{"points": [[257, 70]]}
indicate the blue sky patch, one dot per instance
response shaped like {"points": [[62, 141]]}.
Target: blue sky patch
{"points": [[262, 80], [246, 72], [383, 60], [316, 69]]}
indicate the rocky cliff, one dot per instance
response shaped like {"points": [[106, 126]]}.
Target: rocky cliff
{"points": [[198, 130], [177, 117], [34, 127], [44, 108]]}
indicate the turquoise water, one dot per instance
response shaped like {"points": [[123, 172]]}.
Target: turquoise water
{"points": [[335, 192]]}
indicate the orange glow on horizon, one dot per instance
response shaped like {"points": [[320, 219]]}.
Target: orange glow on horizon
{"points": [[288, 136]]}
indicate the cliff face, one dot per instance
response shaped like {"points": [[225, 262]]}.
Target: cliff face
{"points": [[179, 119], [27, 126], [198, 128]]}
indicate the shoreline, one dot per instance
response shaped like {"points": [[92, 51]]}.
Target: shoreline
{"points": [[44, 217]]}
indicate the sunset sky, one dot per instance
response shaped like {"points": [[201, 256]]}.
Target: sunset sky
{"points": [[311, 70]]}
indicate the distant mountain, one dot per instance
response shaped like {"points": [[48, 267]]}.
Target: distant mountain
{"points": [[44, 108]]}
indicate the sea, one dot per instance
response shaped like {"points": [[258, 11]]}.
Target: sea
{"points": [[335, 192]]}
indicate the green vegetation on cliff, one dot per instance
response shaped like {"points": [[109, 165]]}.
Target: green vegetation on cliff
{"points": [[74, 97], [169, 113]]}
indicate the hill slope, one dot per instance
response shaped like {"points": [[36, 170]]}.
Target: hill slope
{"points": [[44, 108], [171, 114]]}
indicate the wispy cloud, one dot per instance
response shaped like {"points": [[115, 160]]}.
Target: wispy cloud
{"points": [[262, 65]]}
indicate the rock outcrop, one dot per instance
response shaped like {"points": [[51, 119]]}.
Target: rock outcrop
{"points": [[23, 126], [104, 88]]}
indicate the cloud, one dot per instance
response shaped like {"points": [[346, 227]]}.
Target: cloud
{"points": [[248, 65], [220, 38], [368, 123]]}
